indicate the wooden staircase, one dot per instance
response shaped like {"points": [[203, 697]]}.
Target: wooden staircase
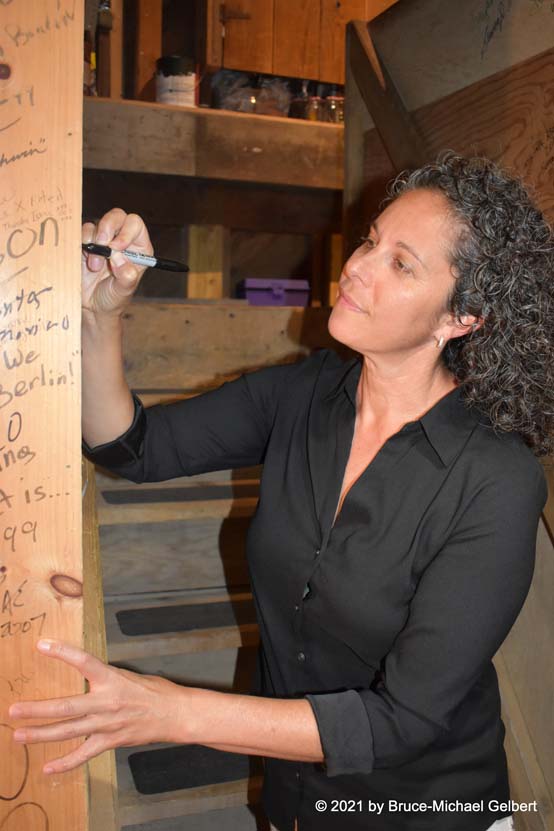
{"points": [[177, 598]]}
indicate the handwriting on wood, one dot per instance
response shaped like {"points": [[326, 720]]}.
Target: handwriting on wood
{"points": [[40, 465]]}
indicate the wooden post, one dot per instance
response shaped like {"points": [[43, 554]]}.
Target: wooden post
{"points": [[209, 261], [41, 59]]}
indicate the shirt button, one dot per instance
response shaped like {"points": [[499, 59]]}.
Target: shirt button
{"points": [[296, 608], [317, 551], [301, 656], [297, 774]]}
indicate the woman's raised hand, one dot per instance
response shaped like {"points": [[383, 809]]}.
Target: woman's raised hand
{"points": [[108, 285], [120, 709]]}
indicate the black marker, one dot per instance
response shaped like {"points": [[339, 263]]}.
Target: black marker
{"points": [[135, 257]]}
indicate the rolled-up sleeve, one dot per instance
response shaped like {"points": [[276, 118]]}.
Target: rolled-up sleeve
{"points": [[466, 601], [221, 429]]}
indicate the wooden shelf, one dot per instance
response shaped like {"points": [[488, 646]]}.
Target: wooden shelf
{"points": [[213, 144]]}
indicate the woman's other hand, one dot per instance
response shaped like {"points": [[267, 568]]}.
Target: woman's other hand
{"points": [[108, 285], [121, 709]]}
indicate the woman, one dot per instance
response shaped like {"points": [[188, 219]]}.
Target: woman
{"points": [[393, 545]]}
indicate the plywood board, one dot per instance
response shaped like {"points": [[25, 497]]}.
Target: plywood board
{"points": [[454, 45], [41, 53]]}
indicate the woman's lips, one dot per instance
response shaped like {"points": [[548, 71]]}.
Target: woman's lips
{"points": [[348, 302]]}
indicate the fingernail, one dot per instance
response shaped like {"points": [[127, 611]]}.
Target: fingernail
{"points": [[48, 769], [14, 711], [45, 645], [101, 237], [118, 258], [19, 736]]}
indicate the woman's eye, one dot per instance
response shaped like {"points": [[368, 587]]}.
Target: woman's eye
{"points": [[368, 241], [401, 265]]}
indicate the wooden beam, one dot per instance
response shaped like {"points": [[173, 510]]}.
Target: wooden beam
{"points": [[402, 141], [41, 566], [213, 144]]}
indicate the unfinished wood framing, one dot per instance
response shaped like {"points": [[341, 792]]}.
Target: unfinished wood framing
{"points": [[41, 568]]}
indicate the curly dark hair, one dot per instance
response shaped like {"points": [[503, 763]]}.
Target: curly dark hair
{"points": [[503, 262]]}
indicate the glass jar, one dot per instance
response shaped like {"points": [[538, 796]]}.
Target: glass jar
{"points": [[334, 109], [314, 108]]}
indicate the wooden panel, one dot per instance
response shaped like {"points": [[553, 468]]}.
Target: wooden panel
{"points": [[296, 38], [101, 769], [248, 39], [187, 141], [527, 653], [40, 495], [174, 555], [148, 47], [508, 117], [527, 782], [334, 17], [175, 347], [433, 48], [178, 200]]}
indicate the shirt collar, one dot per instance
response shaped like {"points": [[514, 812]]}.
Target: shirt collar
{"points": [[446, 425]]}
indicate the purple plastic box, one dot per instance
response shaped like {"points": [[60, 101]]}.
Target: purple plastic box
{"points": [[261, 291]]}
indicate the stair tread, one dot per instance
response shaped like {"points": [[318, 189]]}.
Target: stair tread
{"points": [[138, 512], [135, 807], [123, 647]]}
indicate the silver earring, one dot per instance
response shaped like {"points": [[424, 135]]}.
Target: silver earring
{"points": [[440, 342]]}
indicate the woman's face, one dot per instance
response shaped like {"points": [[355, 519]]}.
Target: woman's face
{"points": [[393, 289]]}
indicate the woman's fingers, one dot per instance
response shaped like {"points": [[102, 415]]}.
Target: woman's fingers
{"points": [[120, 230], [71, 707], [77, 728], [87, 750]]}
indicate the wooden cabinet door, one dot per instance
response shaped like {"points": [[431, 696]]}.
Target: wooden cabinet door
{"points": [[296, 38], [335, 14], [247, 27]]}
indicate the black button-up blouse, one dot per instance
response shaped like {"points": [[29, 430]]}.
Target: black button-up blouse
{"points": [[386, 621]]}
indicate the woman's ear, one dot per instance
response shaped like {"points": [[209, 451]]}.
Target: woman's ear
{"points": [[469, 323]]}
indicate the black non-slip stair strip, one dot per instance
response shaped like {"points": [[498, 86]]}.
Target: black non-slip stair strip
{"points": [[186, 617], [193, 494], [188, 766]]}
